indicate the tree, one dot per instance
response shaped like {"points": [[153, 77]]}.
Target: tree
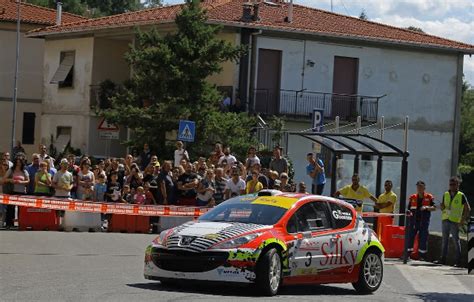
{"points": [[97, 8], [466, 142], [414, 28], [169, 82], [363, 15]]}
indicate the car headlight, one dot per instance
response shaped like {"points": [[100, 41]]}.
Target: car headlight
{"points": [[162, 238], [236, 242]]}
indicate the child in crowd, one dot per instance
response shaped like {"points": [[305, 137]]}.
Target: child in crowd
{"points": [[127, 196], [100, 188], [149, 198], [88, 194], [140, 196], [113, 188]]}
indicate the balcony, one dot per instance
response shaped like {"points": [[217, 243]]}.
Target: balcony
{"points": [[301, 104]]}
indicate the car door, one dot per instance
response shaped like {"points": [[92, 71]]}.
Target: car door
{"points": [[311, 225]]}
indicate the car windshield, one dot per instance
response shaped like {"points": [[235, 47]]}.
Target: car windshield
{"points": [[244, 213]]}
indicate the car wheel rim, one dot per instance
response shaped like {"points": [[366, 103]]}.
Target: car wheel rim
{"points": [[372, 270], [275, 272]]}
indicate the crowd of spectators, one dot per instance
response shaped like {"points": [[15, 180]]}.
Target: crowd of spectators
{"points": [[143, 179]]}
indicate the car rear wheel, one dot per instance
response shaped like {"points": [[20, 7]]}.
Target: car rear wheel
{"points": [[370, 273], [269, 273]]}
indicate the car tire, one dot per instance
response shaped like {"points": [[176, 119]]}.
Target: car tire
{"points": [[370, 273], [269, 272]]}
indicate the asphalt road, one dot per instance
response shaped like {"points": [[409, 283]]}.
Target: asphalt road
{"points": [[56, 266]]}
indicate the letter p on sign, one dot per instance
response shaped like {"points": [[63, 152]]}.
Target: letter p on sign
{"points": [[318, 117]]}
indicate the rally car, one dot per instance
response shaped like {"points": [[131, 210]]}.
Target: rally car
{"points": [[271, 241]]}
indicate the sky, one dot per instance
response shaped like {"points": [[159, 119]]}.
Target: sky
{"points": [[452, 19]]}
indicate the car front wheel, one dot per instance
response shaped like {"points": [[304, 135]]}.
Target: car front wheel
{"points": [[269, 273], [370, 273]]}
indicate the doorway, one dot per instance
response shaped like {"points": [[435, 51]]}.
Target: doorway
{"points": [[267, 94], [344, 85]]}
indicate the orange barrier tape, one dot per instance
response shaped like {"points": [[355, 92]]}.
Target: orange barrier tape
{"points": [[100, 207]]}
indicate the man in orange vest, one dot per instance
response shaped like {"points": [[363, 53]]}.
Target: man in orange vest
{"points": [[421, 205]]}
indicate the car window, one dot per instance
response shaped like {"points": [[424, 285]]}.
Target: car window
{"points": [[310, 217], [342, 215]]}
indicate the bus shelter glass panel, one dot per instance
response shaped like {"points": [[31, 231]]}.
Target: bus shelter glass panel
{"points": [[368, 179], [353, 144], [345, 170], [377, 145], [392, 171]]}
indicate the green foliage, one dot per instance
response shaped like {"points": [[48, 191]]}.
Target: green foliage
{"points": [[414, 28], [466, 145], [98, 8], [278, 125], [169, 82]]}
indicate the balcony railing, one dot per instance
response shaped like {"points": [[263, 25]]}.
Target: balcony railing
{"points": [[302, 103]]}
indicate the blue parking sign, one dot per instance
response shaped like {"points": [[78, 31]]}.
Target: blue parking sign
{"points": [[186, 131]]}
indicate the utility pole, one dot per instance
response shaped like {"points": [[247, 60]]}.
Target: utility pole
{"points": [[331, 7], [15, 82]]}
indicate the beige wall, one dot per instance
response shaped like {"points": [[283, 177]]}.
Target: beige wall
{"points": [[229, 74], [30, 83], [109, 62], [68, 107]]}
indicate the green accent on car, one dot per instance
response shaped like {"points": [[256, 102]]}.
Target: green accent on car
{"points": [[244, 255], [148, 250], [284, 254], [362, 251]]}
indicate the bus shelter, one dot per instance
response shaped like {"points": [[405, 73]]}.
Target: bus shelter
{"points": [[360, 145]]}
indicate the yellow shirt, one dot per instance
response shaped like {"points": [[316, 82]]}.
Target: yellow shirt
{"points": [[388, 197], [253, 187], [361, 194]]}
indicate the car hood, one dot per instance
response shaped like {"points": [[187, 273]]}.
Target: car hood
{"points": [[198, 236]]}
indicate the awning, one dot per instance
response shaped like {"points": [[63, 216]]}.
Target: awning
{"points": [[64, 68]]}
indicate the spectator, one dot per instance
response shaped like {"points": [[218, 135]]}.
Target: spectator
{"points": [[421, 206], [42, 180], [226, 102], [88, 194], [387, 200], [101, 169], [285, 184], [18, 149], [455, 212], [44, 156], [74, 170], [3, 172], [277, 184], [202, 171], [113, 188], [218, 150], [252, 159], [220, 186], [254, 185], [230, 159], [180, 153], [261, 177], [166, 184], [32, 169], [128, 164], [100, 188], [237, 107], [18, 176], [145, 157], [139, 197], [272, 177], [6, 156], [115, 168], [126, 195], [85, 179], [315, 170], [235, 185], [134, 179], [62, 181], [278, 163], [206, 190], [149, 198], [187, 185], [302, 188], [356, 191]]}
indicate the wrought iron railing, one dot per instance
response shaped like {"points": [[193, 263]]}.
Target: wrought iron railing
{"points": [[302, 103]]}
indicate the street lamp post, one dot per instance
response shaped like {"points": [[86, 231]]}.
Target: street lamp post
{"points": [[15, 82]]}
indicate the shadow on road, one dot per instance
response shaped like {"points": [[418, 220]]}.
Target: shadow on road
{"points": [[223, 289], [445, 297]]}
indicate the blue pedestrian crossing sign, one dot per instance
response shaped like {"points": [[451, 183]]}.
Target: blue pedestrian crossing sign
{"points": [[186, 131]]}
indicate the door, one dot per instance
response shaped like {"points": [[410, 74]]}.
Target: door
{"points": [[267, 94], [345, 81], [312, 226]]}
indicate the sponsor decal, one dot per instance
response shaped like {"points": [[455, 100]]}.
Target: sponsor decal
{"points": [[336, 255], [340, 215], [186, 240], [211, 236], [228, 272]]}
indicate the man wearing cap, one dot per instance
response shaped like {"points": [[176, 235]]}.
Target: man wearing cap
{"points": [[421, 206], [315, 170], [455, 212], [356, 191]]}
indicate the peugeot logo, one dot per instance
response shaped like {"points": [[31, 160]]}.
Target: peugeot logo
{"points": [[186, 240]]}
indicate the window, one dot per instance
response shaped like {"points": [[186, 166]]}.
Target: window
{"points": [[312, 216], [28, 136], [64, 75], [342, 215]]}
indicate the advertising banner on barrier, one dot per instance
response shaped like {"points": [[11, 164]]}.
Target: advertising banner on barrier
{"points": [[98, 207]]}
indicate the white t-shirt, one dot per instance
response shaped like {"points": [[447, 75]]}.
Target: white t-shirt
{"points": [[235, 188], [231, 160], [252, 161], [178, 156]]}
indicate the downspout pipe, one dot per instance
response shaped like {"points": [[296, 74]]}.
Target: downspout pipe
{"points": [[253, 70]]}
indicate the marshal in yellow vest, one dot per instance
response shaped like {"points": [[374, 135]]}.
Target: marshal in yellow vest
{"points": [[452, 208]]}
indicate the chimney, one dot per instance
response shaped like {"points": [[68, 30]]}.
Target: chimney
{"points": [[289, 18], [59, 12], [247, 12]]}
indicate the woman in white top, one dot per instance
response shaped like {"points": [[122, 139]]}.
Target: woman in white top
{"points": [[180, 153], [85, 179]]}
